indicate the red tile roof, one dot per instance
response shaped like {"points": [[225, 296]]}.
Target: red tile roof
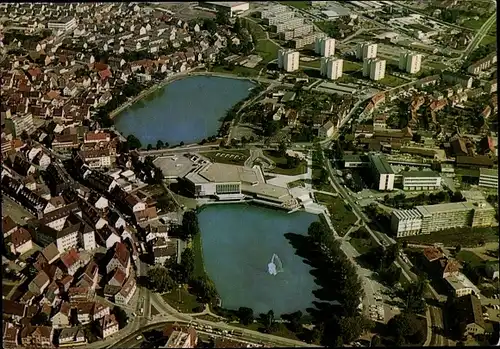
{"points": [[70, 258]]}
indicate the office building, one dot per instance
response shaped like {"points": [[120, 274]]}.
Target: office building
{"points": [[331, 67], [429, 218], [366, 50], [382, 172], [374, 68], [410, 62], [325, 47], [421, 180], [288, 60], [488, 178]]}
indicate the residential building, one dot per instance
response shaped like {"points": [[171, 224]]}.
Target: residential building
{"points": [[72, 336], [62, 316], [325, 47], [127, 291], [374, 68], [120, 259], [274, 10], [8, 226], [273, 18], [84, 310], [37, 336], [464, 80], [13, 310], [307, 39], [382, 172], [461, 286], [20, 241], [429, 218], [477, 67], [410, 62], [326, 130], [421, 180], [366, 50], [39, 283], [288, 60], [10, 335], [96, 158], [71, 262], [23, 123], [470, 315], [64, 24], [488, 178], [180, 337], [108, 326], [100, 310], [331, 67], [291, 24]]}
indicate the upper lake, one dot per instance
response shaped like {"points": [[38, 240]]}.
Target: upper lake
{"points": [[239, 241], [186, 110]]}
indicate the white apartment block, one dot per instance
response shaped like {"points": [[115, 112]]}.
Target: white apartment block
{"points": [[382, 172], [429, 218], [374, 68], [288, 25], [279, 18], [366, 50], [274, 10], [488, 178], [288, 60], [66, 23], [308, 39], [421, 180], [332, 67], [410, 62], [297, 32], [325, 47]]}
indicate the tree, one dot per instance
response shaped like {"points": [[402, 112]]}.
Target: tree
{"points": [[190, 225], [181, 143], [268, 321], [159, 280], [210, 25], [222, 18], [282, 148], [121, 316], [294, 319], [376, 341], [159, 144], [187, 264], [351, 328], [245, 315], [149, 147], [133, 142], [458, 248], [166, 145], [24, 136], [40, 319], [318, 233]]}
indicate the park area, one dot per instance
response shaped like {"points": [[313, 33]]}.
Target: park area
{"points": [[183, 301], [340, 213], [286, 165], [230, 157]]}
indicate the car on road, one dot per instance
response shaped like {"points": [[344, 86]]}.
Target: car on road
{"points": [[138, 338]]}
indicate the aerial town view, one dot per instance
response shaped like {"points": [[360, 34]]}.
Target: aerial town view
{"points": [[249, 174]]}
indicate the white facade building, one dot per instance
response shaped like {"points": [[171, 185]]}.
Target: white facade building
{"points": [[366, 50], [421, 180], [64, 24], [334, 68], [488, 178], [325, 47], [406, 222], [288, 60], [410, 62], [374, 68], [382, 171]]}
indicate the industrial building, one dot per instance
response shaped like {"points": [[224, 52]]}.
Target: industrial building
{"points": [[325, 47], [421, 180], [429, 218], [288, 60], [331, 67], [488, 178], [231, 7], [374, 68], [410, 62], [366, 50], [382, 172]]}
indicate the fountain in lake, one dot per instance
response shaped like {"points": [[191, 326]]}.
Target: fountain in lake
{"points": [[275, 266]]}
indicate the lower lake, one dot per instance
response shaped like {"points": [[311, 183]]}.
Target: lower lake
{"points": [[185, 110], [239, 242]]}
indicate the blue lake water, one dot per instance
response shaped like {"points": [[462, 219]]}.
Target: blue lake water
{"points": [[239, 241], [185, 110]]}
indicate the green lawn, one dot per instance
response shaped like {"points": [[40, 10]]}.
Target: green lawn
{"points": [[267, 50], [474, 24], [241, 156], [199, 266], [392, 81], [488, 39], [238, 70], [185, 303], [470, 257], [342, 217], [311, 64], [436, 65], [351, 66], [254, 29], [362, 245], [281, 165], [296, 4]]}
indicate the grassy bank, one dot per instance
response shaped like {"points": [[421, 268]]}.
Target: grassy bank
{"points": [[199, 266], [281, 164], [341, 215]]}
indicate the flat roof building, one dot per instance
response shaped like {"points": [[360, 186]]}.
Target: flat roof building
{"points": [[488, 178], [231, 7], [421, 180], [382, 171]]}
